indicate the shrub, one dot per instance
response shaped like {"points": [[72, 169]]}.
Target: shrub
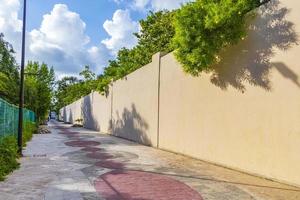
{"points": [[29, 129], [9, 150], [8, 156]]}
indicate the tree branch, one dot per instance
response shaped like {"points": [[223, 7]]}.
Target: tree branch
{"points": [[263, 2]]}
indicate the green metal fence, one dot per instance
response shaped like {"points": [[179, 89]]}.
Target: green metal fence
{"points": [[9, 117]]}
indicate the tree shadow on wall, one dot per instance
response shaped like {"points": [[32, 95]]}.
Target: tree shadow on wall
{"points": [[286, 72], [70, 117], [89, 120], [67, 116], [64, 117], [249, 61], [131, 125]]}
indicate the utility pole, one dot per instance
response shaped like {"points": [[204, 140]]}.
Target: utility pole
{"points": [[21, 97]]}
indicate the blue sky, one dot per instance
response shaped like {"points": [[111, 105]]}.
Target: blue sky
{"points": [[69, 34], [93, 12]]}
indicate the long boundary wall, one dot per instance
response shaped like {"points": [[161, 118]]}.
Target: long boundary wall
{"points": [[94, 110], [244, 114]]}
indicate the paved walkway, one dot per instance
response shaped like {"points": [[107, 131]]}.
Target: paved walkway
{"points": [[78, 164]]}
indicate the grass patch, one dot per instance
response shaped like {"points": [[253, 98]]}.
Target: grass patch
{"points": [[9, 150], [8, 156], [30, 128]]}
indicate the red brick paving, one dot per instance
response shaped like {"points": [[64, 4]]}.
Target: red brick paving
{"points": [[91, 149], [133, 185], [130, 185], [110, 164], [68, 133], [60, 127], [97, 155], [80, 143], [74, 137]]}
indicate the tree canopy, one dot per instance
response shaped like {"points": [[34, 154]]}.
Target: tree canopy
{"points": [[197, 33], [39, 80], [205, 27], [70, 88], [39, 83], [9, 77]]}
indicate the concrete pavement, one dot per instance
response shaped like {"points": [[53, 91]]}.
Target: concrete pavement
{"points": [[79, 164]]}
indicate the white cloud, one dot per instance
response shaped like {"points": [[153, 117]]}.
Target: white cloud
{"points": [[60, 41], [140, 4], [100, 55], [167, 4], [118, 1], [64, 27], [10, 24], [157, 4], [120, 29]]}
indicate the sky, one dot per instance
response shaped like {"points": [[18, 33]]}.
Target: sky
{"points": [[69, 34]]}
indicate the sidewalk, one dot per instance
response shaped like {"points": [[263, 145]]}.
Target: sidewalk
{"points": [[79, 164]]}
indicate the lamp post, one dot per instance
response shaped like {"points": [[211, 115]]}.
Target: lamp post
{"points": [[21, 95]]}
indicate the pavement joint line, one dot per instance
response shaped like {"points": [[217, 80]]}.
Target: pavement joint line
{"points": [[112, 187]]}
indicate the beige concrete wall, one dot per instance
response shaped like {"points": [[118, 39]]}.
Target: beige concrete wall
{"points": [[94, 109], [72, 112], [129, 111], [135, 105], [245, 114], [96, 112]]}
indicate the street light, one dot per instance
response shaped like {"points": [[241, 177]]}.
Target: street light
{"points": [[21, 96]]}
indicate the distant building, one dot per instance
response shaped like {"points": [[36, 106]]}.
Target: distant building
{"points": [[53, 115]]}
